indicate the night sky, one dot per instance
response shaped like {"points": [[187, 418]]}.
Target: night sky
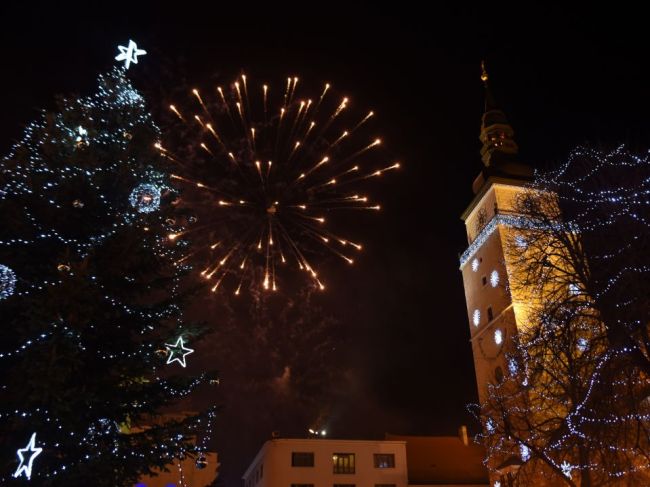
{"points": [[563, 78]]}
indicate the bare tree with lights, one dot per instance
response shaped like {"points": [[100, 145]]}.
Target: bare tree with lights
{"points": [[574, 407]]}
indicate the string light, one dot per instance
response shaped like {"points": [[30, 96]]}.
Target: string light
{"points": [[7, 281], [58, 172], [562, 363]]}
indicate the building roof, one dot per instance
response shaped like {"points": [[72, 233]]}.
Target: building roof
{"points": [[435, 460]]}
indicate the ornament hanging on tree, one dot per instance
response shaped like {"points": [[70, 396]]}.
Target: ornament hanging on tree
{"points": [[145, 198], [82, 137], [178, 351], [129, 54], [7, 281], [25, 467]]}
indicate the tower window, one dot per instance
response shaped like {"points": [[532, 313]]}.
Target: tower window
{"points": [[484, 280], [490, 313], [498, 374]]}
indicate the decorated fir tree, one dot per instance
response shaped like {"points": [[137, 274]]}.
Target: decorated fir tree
{"points": [[92, 336]]}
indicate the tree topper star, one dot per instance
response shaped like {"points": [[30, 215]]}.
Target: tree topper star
{"points": [[27, 468], [129, 54], [178, 348]]}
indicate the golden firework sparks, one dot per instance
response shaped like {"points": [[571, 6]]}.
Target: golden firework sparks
{"points": [[266, 175]]}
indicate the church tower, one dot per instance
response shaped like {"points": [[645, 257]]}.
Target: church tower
{"points": [[494, 315]]}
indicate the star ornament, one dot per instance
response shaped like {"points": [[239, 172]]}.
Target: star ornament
{"points": [[178, 352], [26, 467], [129, 54]]}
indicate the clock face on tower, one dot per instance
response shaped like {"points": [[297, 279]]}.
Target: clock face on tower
{"points": [[481, 220]]}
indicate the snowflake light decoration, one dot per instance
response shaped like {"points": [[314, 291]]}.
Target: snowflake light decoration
{"points": [[476, 317], [498, 336], [494, 278]]}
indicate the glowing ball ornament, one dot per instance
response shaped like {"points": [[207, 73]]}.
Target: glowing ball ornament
{"points": [[7, 281], [145, 198]]}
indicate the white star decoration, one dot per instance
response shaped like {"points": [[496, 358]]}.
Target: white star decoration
{"points": [[178, 348], [566, 469], [27, 468], [129, 54]]}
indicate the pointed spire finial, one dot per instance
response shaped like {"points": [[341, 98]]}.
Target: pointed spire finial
{"points": [[484, 75]]}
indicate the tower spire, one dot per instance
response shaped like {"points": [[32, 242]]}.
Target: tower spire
{"points": [[499, 149], [489, 99], [496, 135]]}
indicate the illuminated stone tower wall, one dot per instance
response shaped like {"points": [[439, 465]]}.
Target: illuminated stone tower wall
{"points": [[493, 314]]}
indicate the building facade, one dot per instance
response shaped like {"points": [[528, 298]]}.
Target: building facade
{"points": [[445, 461], [328, 463]]}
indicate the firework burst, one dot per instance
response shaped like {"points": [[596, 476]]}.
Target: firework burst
{"points": [[264, 173]]}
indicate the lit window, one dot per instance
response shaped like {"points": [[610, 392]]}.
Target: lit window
{"points": [[476, 317], [475, 264], [302, 459], [494, 278], [498, 336], [343, 462], [384, 460]]}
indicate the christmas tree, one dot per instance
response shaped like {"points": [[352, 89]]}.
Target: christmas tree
{"points": [[91, 298]]}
